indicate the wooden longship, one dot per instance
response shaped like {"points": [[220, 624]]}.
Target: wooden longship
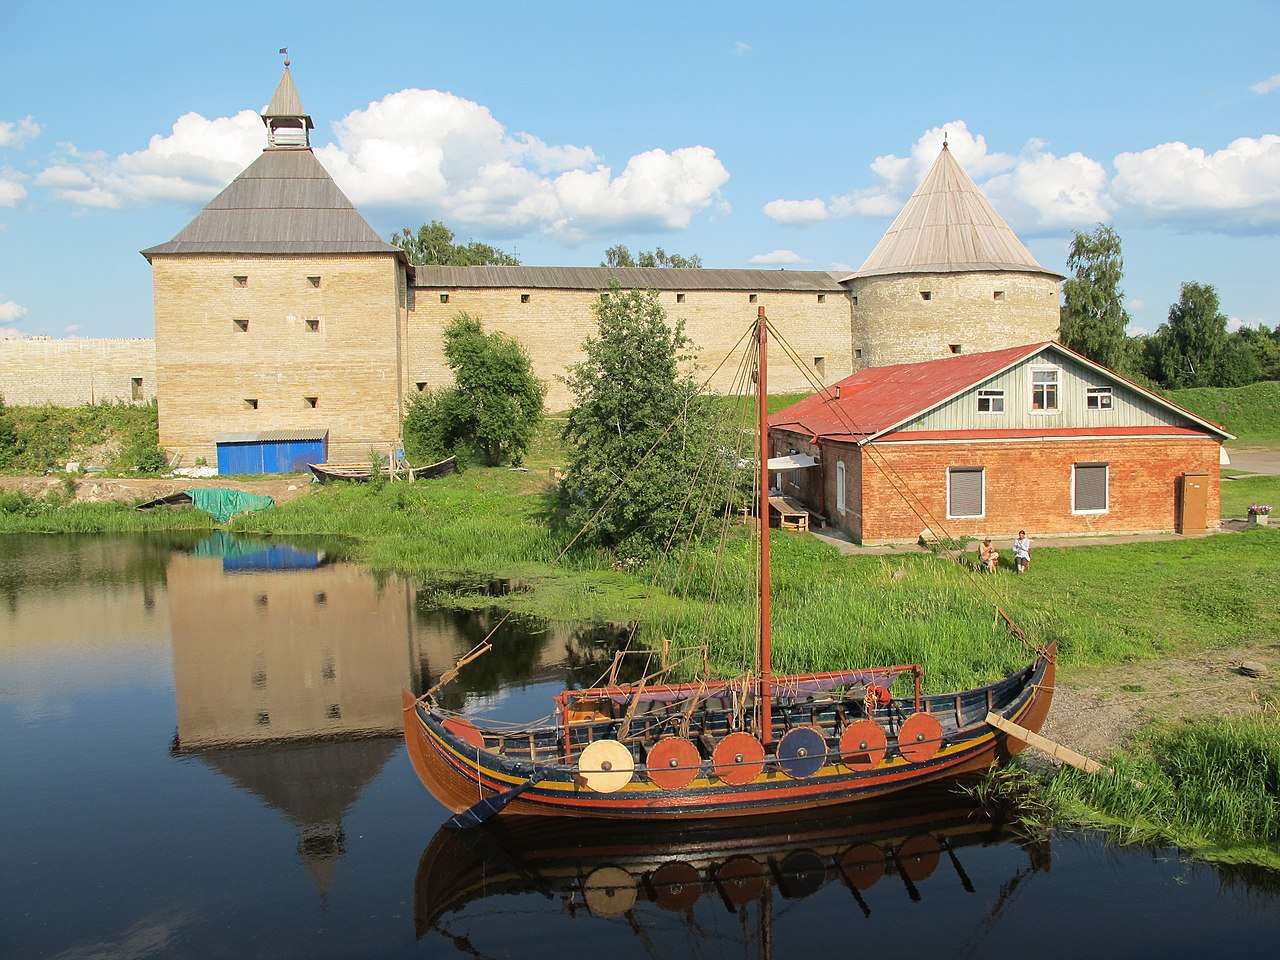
{"points": [[712, 749]]}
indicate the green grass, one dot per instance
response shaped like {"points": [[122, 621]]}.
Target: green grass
{"points": [[1211, 787], [120, 436], [1238, 494], [1252, 413]]}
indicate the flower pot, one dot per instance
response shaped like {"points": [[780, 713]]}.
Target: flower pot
{"points": [[1259, 519]]}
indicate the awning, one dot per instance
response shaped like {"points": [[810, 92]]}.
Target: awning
{"points": [[796, 461]]}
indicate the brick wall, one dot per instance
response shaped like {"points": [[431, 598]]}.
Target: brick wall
{"points": [[1029, 486], [68, 373], [893, 323], [278, 339]]}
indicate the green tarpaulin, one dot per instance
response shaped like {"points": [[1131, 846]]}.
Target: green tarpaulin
{"points": [[225, 504]]}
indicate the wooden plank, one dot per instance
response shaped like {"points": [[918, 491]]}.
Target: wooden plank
{"points": [[1045, 745]]}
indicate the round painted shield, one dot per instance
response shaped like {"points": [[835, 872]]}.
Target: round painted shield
{"points": [[920, 737], [605, 766], [673, 763], [676, 886], [609, 891], [802, 753], [741, 880], [918, 856], [863, 865], [801, 874], [466, 730], [862, 745], [738, 759]]}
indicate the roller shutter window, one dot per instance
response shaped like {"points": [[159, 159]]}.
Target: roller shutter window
{"points": [[965, 492], [1089, 486]]}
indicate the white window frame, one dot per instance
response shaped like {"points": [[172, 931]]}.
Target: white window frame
{"points": [[1031, 391], [993, 397], [1107, 495], [841, 499], [1104, 396], [982, 510]]}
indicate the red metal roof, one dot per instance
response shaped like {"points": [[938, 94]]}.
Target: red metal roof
{"points": [[978, 436], [878, 398]]}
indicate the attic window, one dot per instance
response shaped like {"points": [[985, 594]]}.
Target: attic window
{"points": [[855, 301], [857, 354], [955, 348], [311, 401], [751, 298], [241, 281], [421, 385], [998, 295], [241, 323], [313, 324], [1098, 398], [822, 298], [444, 298], [679, 298], [251, 403], [524, 298], [926, 295], [314, 281]]}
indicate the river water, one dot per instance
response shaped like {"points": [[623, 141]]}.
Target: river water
{"points": [[200, 757]]}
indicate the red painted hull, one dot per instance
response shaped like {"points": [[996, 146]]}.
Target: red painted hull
{"points": [[459, 774]]}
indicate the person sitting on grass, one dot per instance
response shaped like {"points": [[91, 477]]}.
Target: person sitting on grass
{"points": [[988, 557]]}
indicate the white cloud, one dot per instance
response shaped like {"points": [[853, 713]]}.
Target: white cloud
{"points": [[10, 311], [15, 133], [778, 256], [1044, 192], [1235, 189], [741, 48], [1137, 304], [440, 151], [197, 159], [796, 211], [1267, 85], [73, 328], [12, 192]]}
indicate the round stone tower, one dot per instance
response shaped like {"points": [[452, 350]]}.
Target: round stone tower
{"points": [[949, 276]]}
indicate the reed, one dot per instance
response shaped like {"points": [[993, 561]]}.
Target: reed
{"points": [[1211, 787]]}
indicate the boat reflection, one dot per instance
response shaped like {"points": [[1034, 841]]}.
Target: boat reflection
{"points": [[879, 855]]}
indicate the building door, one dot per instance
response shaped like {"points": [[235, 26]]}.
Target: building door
{"points": [[1193, 503]]}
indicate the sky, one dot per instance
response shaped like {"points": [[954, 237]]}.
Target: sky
{"points": [[755, 135]]}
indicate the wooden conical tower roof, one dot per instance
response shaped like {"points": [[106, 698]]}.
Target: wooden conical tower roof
{"points": [[948, 226]]}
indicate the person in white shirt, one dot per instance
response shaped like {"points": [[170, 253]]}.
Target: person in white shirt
{"points": [[1022, 552]]}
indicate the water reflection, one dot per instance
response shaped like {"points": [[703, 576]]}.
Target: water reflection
{"points": [[899, 860]]}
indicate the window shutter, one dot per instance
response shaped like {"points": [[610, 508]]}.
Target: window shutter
{"points": [[1091, 486], [966, 491]]}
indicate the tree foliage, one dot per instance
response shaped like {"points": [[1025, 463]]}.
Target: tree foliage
{"points": [[619, 256], [637, 429], [434, 244], [493, 408], [1093, 314], [1190, 347]]}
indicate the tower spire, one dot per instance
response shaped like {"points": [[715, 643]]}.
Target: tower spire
{"points": [[287, 120]]}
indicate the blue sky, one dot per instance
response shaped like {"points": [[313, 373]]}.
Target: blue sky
{"points": [[752, 134]]}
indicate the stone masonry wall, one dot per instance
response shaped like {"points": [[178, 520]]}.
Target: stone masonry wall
{"points": [[552, 325], [69, 373], [252, 355], [893, 323]]}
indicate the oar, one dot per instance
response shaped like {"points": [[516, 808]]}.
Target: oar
{"points": [[478, 813]]}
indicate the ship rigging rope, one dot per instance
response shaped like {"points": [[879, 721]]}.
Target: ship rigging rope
{"points": [[901, 487]]}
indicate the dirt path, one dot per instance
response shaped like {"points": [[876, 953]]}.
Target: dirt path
{"points": [[1095, 709], [102, 489]]}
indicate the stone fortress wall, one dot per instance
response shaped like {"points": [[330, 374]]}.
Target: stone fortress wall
{"points": [[67, 373]]}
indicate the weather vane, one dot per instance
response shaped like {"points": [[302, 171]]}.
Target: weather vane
{"points": [[285, 51]]}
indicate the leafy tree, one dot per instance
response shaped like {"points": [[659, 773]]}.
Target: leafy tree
{"points": [[493, 407], [1190, 346], [637, 429], [1093, 313], [1264, 345], [433, 244], [619, 256], [8, 438]]}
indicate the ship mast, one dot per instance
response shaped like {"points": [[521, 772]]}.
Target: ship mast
{"points": [[766, 667]]}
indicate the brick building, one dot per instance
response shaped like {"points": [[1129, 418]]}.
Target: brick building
{"points": [[1035, 437]]}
